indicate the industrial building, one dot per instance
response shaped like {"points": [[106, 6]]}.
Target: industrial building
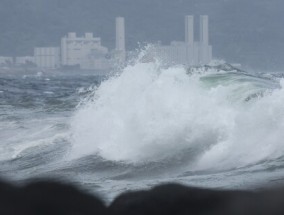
{"points": [[47, 57], [188, 52], [25, 60], [85, 52], [4, 61]]}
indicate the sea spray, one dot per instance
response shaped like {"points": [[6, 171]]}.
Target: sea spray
{"points": [[144, 114], [149, 113], [257, 135]]}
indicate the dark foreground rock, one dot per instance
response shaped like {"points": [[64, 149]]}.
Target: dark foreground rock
{"points": [[181, 200], [48, 198]]}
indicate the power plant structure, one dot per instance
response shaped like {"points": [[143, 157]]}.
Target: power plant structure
{"points": [[87, 52], [188, 52]]}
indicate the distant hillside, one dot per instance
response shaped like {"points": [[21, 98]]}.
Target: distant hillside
{"points": [[247, 31]]}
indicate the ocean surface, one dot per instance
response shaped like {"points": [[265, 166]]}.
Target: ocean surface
{"points": [[209, 126]]}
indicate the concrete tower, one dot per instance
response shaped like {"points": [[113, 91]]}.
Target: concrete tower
{"points": [[120, 34], [120, 39], [205, 53], [189, 30], [204, 31]]}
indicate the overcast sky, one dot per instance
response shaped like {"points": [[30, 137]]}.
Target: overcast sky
{"points": [[250, 32]]}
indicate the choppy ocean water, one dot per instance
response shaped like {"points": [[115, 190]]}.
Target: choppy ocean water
{"points": [[143, 126]]}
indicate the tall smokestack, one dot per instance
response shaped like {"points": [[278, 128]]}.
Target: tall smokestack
{"points": [[120, 34], [189, 30], [204, 31]]}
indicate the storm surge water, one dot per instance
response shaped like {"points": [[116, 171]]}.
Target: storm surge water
{"points": [[211, 126], [203, 119]]}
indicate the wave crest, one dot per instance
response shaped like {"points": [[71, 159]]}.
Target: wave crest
{"points": [[150, 113]]}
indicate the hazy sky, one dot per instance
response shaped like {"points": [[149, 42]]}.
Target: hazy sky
{"points": [[246, 31]]}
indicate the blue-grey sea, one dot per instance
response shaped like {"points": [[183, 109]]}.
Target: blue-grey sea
{"points": [[146, 124]]}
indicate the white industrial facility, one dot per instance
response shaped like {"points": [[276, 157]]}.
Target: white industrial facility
{"points": [[188, 52], [87, 52], [84, 52]]}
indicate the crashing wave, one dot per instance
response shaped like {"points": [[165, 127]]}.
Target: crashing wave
{"points": [[151, 114]]}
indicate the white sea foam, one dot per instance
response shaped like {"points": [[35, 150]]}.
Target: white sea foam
{"points": [[149, 113], [257, 135]]}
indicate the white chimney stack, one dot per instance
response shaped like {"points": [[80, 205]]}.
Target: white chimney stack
{"points": [[204, 30], [189, 30], [120, 34]]}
